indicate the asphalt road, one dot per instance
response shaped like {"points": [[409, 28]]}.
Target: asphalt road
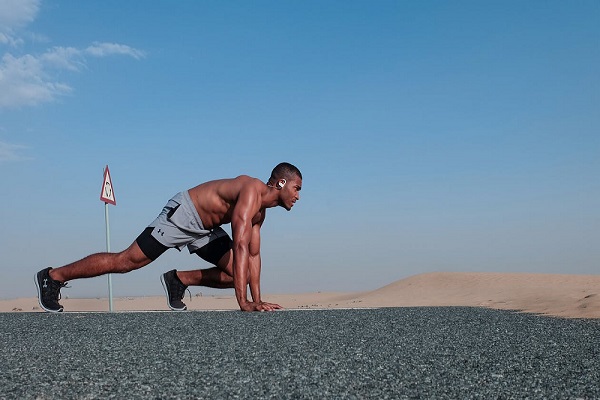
{"points": [[399, 353]]}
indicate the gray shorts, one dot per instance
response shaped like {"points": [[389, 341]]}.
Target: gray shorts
{"points": [[179, 224]]}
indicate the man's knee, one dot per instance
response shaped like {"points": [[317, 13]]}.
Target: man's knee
{"points": [[131, 259]]}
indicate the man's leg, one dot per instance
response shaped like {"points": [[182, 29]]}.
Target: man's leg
{"points": [[49, 281], [102, 263], [176, 282], [217, 252], [220, 276]]}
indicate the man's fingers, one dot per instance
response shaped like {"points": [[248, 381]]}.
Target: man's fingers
{"points": [[261, 307], [271, 306]]}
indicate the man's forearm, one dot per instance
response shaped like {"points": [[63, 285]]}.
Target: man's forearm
{"points": [[240, 275], [254, 264]]}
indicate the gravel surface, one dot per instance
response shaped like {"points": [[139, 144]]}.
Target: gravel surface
{"points": [[400, 353]]}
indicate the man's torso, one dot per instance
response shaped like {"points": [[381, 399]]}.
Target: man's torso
{"points": [[216, 200]]}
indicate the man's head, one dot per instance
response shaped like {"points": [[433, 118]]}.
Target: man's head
{"points": [[286, 178]]}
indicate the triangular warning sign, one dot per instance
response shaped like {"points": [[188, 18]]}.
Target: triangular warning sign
{"points": [[107, 194]]}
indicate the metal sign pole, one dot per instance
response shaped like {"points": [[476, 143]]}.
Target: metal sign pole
{"points": [[107, 195], [110, 294]]}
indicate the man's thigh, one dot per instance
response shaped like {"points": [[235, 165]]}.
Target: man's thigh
{"points": [[214, 248]]}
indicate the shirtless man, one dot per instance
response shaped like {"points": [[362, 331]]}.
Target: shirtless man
{"points": [[193, 218]]}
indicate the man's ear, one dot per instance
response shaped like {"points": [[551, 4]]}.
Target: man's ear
{"points": [[281, 183]]}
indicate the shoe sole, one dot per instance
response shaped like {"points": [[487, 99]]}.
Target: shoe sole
{"points": [[37, 285], [164, 285]]}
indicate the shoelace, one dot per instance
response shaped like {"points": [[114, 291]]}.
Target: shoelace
{"points": [[55, 286], [181, 293], [60, 286]]}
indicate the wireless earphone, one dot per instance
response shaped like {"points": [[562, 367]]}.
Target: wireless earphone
{"points": [[281, 183]]}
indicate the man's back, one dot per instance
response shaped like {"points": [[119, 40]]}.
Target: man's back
{"points": [[216, 200]]}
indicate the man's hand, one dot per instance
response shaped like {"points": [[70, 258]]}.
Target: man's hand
{"points": [[271, 306], [262, 306]]}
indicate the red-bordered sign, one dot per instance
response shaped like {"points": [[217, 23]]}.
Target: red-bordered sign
{"points": [[107, 194]]}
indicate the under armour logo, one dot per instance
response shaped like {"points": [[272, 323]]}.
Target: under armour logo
{"points": [[45, 283]]}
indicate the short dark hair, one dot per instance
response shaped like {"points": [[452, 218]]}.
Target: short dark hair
{"points": [[284, 170]]}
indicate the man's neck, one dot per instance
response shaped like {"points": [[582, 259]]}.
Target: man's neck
{"points": [[270, 197]]}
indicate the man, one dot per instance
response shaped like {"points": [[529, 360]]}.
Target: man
{"points": [[193, 218]]}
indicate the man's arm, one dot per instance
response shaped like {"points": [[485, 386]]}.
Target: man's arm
{"points": [[255, 267], [247, 206], [241, 226]]}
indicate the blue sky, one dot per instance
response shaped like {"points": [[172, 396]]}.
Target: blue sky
{"points": [[432, 135]]}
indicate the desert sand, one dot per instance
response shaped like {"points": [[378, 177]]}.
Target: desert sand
{"points": [[567, 296]]}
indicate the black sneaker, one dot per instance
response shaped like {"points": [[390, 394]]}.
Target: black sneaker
{"points": [[48, 291], [174, 289]]}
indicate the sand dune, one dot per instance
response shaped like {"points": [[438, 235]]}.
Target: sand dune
{"points": [[570, 296]]}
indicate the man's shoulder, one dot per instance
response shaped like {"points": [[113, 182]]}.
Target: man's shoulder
{"points": [[246, 177], [237, 182], [248, 181]]}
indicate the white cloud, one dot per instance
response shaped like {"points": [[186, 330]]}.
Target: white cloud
{"points": [[11, 152], [23, 82], [7, 39], [107, 49], [15, 14], [27, 80], [68, 58]]}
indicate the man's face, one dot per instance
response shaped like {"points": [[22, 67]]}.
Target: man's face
{"points": [[290, 193]]}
